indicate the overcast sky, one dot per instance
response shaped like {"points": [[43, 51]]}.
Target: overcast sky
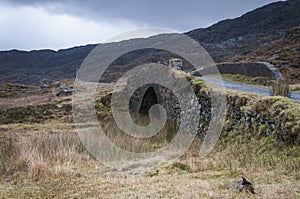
{"points": [[55, 24]]}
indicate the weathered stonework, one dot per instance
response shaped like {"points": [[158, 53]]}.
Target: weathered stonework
{"points": [[157, 94], [251, 69], [256, 115], [142, 98]]}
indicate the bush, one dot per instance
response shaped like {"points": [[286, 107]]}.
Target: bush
{"points": [[280, 88]]}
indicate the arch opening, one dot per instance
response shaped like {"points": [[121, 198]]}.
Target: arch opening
{"points": [[149, 99]]}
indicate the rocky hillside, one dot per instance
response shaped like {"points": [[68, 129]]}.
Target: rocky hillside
{"points": [[30, 67], [234, 38], [269, 19], [228, 40], [283, 53]]}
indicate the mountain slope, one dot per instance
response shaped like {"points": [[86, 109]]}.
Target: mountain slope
{"points": [[269, 19], [228, 40], [235, 38], [30, 67], [283, 53]]}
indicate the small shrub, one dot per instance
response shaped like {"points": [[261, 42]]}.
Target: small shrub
{"points": [[182, 166], [280, 88]]}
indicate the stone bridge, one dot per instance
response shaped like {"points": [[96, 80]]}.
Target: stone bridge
{"points": [[148, 95], [151, 94], [247, 112], [251, 69]]}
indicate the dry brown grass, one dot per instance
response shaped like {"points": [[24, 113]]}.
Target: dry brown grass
{"points": [[280, 88], [43, 153], [137, 145], [53, 163], [49, 161], [25, 101], [295, 87]]}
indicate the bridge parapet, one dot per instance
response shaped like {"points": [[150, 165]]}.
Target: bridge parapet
{"points": [[251, 69]]}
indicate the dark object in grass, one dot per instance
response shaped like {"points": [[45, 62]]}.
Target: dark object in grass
{"points": [[246, 184]]}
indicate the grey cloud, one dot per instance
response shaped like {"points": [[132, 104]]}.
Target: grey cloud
{"points": [[179, 15]]}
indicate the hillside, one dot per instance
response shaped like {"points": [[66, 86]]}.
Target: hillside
{"points": [[269, 19], [30, 67], [228, 40], [235, 38], [283, 53]]}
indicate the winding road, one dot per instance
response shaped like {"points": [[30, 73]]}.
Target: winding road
{"points": [[229, 85]]}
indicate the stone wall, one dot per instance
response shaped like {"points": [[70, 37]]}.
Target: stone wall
{"points": [[248, 113], [264, 116], [251, 69]]}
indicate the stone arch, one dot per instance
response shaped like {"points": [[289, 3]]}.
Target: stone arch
{"points": [[149, 99], [148, 95]]}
